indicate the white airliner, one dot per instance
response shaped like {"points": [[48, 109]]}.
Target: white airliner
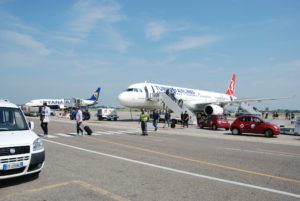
{"points": [[141, 95], [60, 103]]}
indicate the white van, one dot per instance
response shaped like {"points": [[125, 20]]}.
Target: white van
{"points": [[21, 150], [108, 114]]}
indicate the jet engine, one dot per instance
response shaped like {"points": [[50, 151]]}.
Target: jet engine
{"points": [[213, 109]]}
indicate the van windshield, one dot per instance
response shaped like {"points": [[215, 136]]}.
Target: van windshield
{"points": [[12, 119]]}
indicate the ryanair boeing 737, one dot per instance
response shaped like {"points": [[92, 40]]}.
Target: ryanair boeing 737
{"points": [[60, 103]]}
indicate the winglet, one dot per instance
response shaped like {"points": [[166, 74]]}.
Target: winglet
{"points": [[95, 95], [230, 90]]}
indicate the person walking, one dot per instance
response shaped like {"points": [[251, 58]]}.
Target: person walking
{"points": [[155, 119], [79, 121], [45, 118], [167, 119], [143, 121], [182, 119], [186, 119], [292, 116]]}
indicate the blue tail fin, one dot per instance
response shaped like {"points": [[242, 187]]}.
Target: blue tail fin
{"points": [[95, 95]]}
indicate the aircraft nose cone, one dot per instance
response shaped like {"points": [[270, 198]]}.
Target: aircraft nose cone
{"points": [[123, 99]]}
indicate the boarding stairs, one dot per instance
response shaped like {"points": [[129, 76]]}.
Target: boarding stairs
{"points": [[249, 108], [172, 104]]}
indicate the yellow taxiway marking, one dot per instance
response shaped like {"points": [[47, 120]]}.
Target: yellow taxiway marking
{"points": [[198, 161], [83, 184]]}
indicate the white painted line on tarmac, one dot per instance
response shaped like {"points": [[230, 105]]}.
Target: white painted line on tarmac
{"points": [[52, 136], [103, 132], [64, 135], [96, 133], [182, 171]]}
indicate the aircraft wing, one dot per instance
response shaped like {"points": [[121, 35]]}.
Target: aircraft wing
{"points": [[201, 106], [246, 100]]}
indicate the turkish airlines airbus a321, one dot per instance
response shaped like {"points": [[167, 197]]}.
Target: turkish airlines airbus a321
{"points": [[140, 96]]}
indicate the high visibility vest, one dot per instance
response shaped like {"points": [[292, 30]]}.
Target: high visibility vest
{"points": [[143, 117]]}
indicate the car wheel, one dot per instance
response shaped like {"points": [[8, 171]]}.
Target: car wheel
{"points": [[235, 131], [201, 126], [227, 129], [269, 133], [214, 127]]}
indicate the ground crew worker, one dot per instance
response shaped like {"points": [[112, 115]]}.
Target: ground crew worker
{"points": [[143, 121]]}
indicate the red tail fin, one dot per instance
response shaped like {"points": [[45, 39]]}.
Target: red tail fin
{"points": [[230, 90]]}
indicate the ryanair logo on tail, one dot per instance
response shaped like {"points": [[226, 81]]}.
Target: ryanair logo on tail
{"points": [[95, 95]]}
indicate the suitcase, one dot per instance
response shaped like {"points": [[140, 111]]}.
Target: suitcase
{"points": [[88, 130]]}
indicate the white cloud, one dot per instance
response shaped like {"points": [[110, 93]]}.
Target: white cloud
{"points": [[23, 40], [113, 39], [186, 43], [155, 30], [89, 13]]}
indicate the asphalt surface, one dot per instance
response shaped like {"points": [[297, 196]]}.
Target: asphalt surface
{"points": [[117, 163]]}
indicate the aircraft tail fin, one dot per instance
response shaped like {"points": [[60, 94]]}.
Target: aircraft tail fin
{"points": [[95, 95], [230, 90]]}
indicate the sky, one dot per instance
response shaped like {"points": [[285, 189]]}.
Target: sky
{"points": [[66, 49]]}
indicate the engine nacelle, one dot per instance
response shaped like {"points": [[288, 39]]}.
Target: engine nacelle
{"points": [[213, 109]]}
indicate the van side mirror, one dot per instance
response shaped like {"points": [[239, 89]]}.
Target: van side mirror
{"points": [[31, 125]]}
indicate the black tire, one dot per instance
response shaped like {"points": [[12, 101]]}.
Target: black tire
{"points": [[227, 129], [214, 127], [201, 126], [115, 119], [173, 125], [269, 133], [86, 116], [236, 131]]}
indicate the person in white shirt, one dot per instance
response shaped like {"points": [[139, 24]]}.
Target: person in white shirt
{"points": [[79, 120], [45, 118]]}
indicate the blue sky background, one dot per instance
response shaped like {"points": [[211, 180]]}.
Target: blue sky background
{"points": [[63, 49]]}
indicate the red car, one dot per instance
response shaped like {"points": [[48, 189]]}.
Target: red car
{"points": [[253, 124], [214, 122]]}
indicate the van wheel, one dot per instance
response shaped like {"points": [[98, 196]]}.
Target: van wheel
{"points": [[214, 127], [269, 133], [236, 131]]}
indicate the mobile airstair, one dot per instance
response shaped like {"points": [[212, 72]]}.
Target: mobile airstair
{"points": [[249, 108], [172, 103]]}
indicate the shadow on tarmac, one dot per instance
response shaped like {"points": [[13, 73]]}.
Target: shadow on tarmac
{"points": [[18, 180]]}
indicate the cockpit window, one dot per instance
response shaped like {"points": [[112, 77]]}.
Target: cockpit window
{"points": [[134, 89]]}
